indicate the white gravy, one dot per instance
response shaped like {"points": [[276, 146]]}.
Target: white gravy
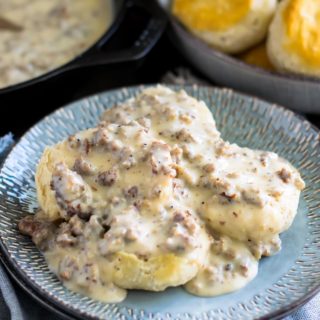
{"points": [[53, 33], [155, 182]]}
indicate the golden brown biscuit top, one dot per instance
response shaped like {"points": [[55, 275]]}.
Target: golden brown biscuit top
{"points": [[302, 25], [208, 15]]}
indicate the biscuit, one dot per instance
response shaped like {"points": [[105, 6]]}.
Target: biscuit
{"points": [[228, 25], [294, 38]]}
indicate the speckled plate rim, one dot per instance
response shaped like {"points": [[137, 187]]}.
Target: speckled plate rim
{"points": [[40, 299], [49, 301]]}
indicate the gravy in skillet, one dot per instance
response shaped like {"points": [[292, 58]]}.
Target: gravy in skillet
{"points": [[52, 33]]}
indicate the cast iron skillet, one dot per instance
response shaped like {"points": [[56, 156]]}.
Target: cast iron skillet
{"points": [[113, 61], [97, 56]]}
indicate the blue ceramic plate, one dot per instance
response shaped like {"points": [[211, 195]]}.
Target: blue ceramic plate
{"points": [[284, 282]]}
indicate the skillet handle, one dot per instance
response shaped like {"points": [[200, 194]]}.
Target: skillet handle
{"points": [[106, 52]]}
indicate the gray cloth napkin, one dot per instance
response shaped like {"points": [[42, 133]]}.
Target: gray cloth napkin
{"points": [[15, 304]]}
